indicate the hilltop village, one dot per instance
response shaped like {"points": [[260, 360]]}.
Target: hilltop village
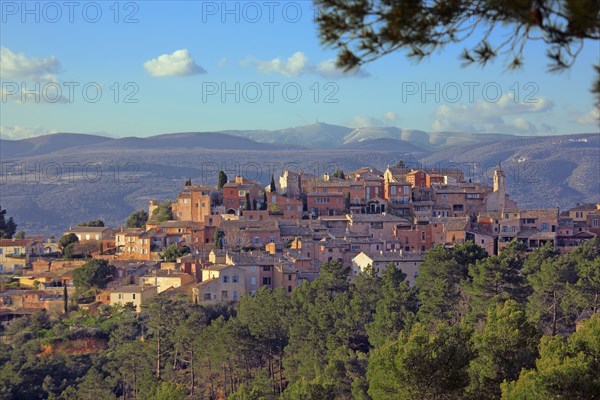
{"points": [[214, 244]]}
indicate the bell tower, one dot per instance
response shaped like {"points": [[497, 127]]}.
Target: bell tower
{"points": [[500, 186]]}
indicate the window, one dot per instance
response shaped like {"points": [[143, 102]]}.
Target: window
{"points": [[289, 289], [235, 295], [120, 296], [405, 189], [594, 222], [393, 190], [273, 199], [253, 280], [289, 277], [266, 280], [266, 268], [133, 296], [444, 196], [206, 296], [225, 279], [544, 226], [234, 279]]}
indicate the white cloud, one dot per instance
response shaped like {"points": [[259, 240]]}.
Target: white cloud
{"points": [[37, 76], [223, 62], [591, 118], [179, 63], [295, 65], [328, 69], [22, 132], [390, 118], [502, 116], [18, 65], [298, 64]]}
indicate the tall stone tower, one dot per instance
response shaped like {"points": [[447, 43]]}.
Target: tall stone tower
{"points": [[152, 205], [500, 187]]}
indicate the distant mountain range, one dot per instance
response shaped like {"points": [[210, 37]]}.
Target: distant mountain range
{"points": [[314, 136], [542, 171]]}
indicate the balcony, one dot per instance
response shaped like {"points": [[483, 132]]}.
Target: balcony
{"points": [[17, 256]]}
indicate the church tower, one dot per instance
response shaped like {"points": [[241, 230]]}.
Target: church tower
{"points": [[500, 187]]}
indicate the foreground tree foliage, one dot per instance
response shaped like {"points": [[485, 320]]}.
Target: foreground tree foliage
{"points": [[67, 239], [162, 212], [439, 286], [421, 364], [363, 31], [7, 226], [94, 274], [365, 337], [221, 180], [97, 223], [496, 279], [506, 344], [173, 252], [137, 219], [565, 369], [395, 310]]}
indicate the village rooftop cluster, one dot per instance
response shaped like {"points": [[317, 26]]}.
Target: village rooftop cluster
{"points": [[215, 244]]}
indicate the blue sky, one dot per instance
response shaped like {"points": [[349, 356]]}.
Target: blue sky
{"points": [[167, 69]]}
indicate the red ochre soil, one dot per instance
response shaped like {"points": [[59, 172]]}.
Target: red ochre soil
{"points": [[76, 346]]}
